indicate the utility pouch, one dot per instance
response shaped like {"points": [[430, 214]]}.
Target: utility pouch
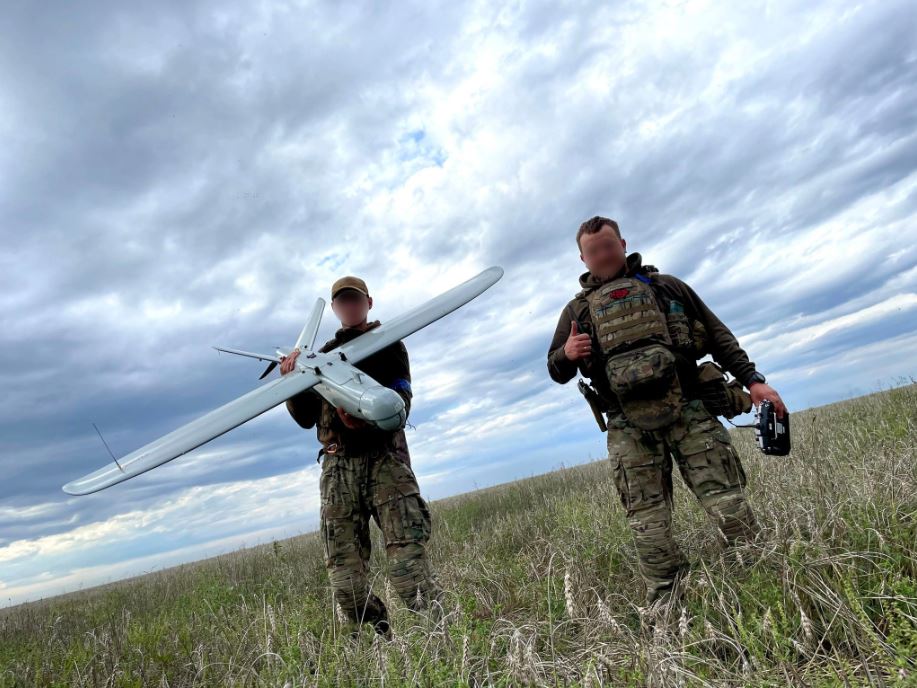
{"points": [[646, 384]]}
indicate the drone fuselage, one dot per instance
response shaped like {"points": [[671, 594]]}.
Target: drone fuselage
{"points": [[346, 387]]}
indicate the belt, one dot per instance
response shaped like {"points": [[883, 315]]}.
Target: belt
{"points": [[335, 448]]}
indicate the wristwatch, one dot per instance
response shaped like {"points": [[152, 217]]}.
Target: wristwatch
{"points": [[755, 377]]}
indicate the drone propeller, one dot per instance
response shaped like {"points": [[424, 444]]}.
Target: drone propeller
{"points": [[267, 371]]}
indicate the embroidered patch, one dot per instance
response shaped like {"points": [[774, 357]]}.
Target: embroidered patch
{"points": [[619, 293]]}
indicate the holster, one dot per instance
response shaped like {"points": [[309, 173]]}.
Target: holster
{"points": [[594, 401]]}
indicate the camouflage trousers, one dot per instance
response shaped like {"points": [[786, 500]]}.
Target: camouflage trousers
{"points": [[353, 489], [709, 466]]}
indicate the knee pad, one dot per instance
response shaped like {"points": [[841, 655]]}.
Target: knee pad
{"points": [[412, 575], [733, 514]]}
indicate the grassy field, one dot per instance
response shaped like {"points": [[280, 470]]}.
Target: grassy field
{"points": [[543, 591]]}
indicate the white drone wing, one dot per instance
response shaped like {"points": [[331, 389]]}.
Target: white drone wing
{"points": [[195, 433], [269, 395], [391, 331]]}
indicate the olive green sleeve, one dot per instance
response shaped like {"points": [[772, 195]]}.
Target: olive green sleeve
{"points": [[724, 347], [560, 368]]}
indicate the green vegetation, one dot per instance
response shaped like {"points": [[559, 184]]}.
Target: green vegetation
{"points": [[543, 591]]}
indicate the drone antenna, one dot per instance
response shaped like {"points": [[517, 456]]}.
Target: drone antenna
{"points": [[749, 425], [108, 448]]}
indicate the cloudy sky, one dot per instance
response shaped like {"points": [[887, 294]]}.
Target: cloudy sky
{"points": [[179, 175]]}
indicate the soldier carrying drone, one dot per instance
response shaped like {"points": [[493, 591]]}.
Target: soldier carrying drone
{"points": [[366, 474]]}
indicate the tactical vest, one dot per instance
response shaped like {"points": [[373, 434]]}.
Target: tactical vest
{"points": [[632, 333]]}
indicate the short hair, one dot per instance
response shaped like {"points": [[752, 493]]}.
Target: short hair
{"points": [[593, 225]]}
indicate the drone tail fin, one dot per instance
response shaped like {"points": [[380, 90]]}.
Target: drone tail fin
{"points": [[306, 338]]}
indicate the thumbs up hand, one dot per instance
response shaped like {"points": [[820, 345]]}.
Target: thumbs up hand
{"points": [[578, 345]]}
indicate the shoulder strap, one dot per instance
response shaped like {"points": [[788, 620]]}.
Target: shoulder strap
{"points": [[662, 300]]}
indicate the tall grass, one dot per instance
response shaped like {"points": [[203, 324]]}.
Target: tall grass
{"points": [[543, 590]]}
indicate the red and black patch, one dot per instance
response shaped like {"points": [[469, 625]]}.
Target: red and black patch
{"points": [[619, 293]]}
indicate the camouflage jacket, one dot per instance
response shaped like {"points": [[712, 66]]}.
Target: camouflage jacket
{"points": [[700, 333], [389, 367]]}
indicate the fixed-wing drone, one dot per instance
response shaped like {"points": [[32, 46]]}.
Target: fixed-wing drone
{"points": [[333, 375]]}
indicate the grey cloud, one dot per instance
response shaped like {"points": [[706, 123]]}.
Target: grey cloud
{"points": [[161, 153]]}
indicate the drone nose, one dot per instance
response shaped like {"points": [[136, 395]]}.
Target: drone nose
{"points": [[384, 407]]}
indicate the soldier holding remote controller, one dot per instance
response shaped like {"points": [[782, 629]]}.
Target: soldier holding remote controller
{"points": [[637, 334]]}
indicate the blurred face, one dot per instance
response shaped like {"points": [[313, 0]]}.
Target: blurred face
{"points": [[603, 252], [351, 307]]}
